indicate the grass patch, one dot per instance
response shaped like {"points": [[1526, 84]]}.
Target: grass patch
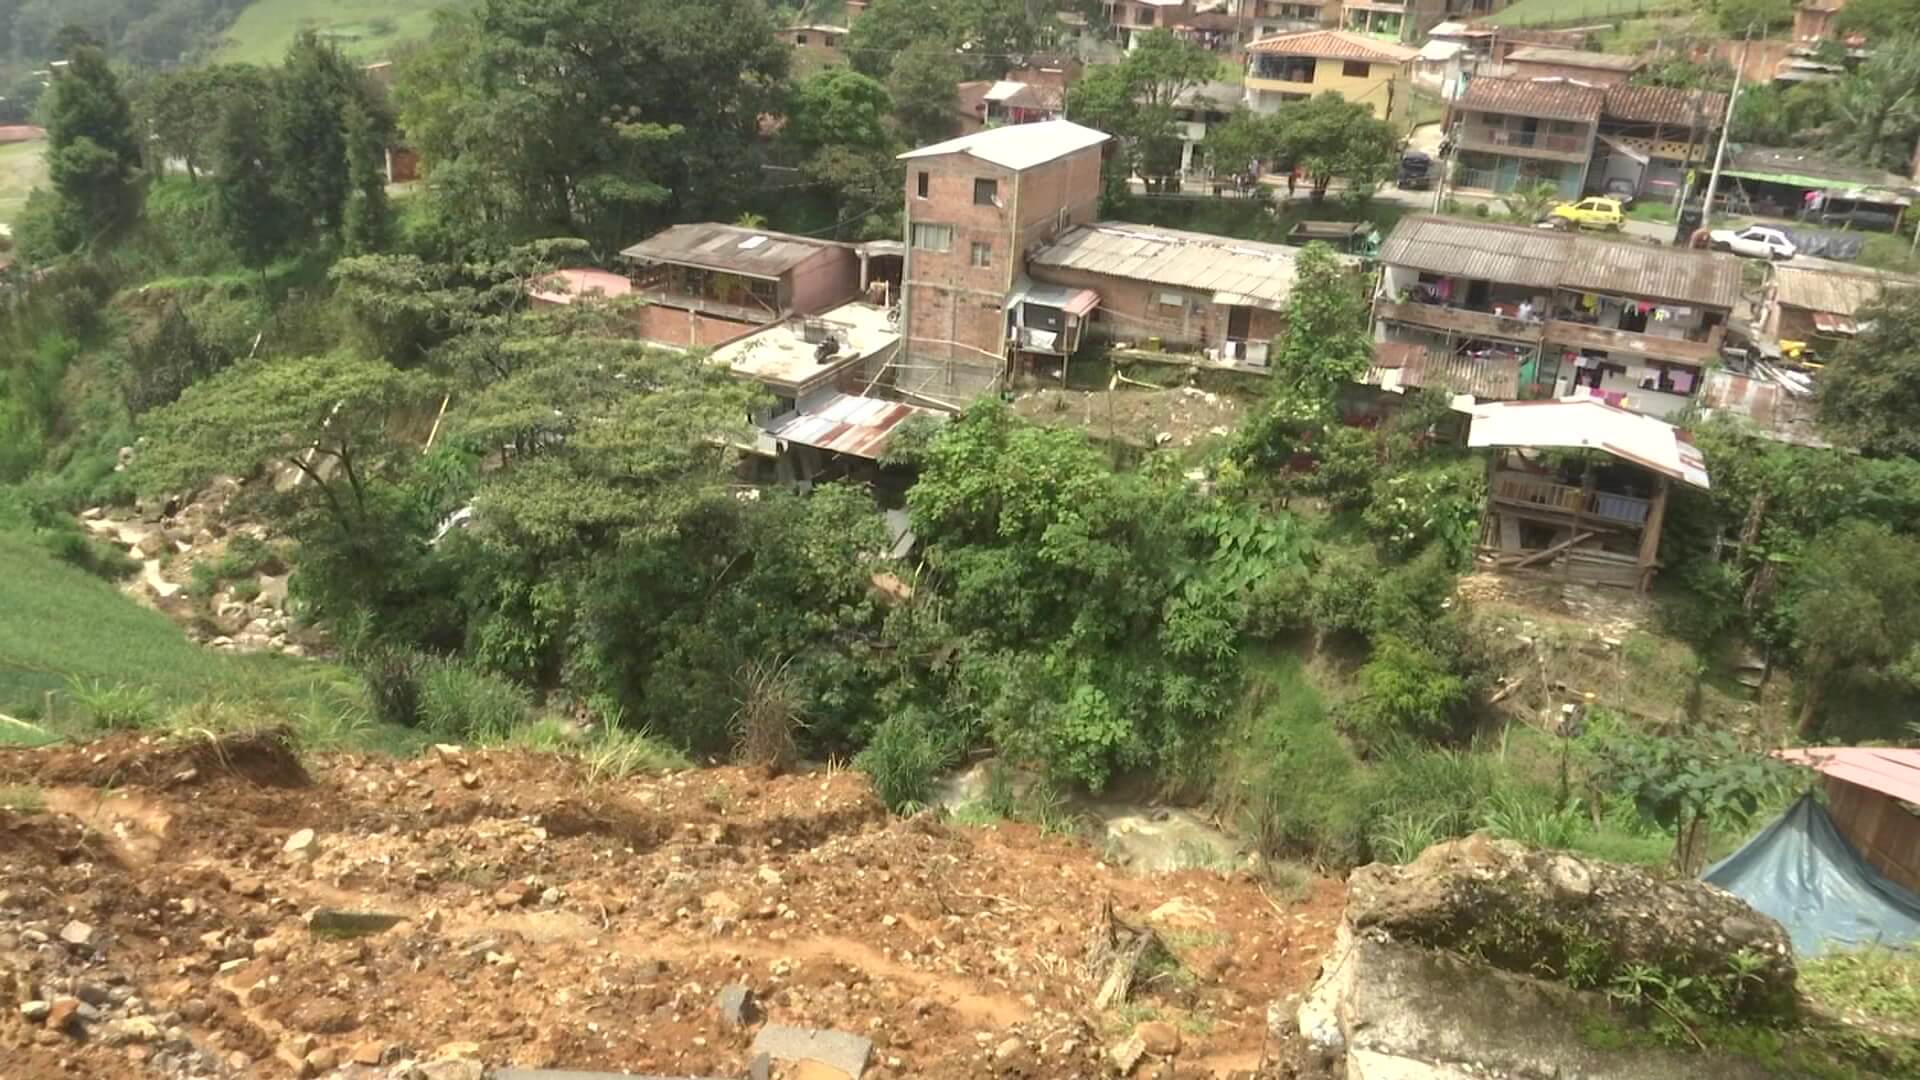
{"points": [[23, 167], [22, 798], [105, 662], [1879, 982], [617, 753], [363, 29], [1569, 12]]}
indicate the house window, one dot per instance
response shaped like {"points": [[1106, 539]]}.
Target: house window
{"points": [[1355, 69], [982, 254], [1284, 68], [933, 237], [920, 185], [799, 39], [986, 193]]}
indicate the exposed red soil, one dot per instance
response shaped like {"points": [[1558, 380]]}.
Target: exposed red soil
{"points": [[553, 922]]}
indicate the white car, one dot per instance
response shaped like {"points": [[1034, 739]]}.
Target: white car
{"points": [[1754, 241]]}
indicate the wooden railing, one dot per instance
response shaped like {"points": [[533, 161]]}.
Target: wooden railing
{"points": [[1583, 336], [1479, 136], [1463, 322], [1517, 487]]}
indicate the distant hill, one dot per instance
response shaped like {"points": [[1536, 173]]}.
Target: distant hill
{"points": [[366, 29]]}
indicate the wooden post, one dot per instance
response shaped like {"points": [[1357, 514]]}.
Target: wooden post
{"points": [[1650, 533]]}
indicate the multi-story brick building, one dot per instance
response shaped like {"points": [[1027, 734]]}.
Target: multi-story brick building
{"points": [[976, 206]]}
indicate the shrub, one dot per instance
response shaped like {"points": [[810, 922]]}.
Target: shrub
{"points": [[1438, 504], [1441, 788], [116, 707], [1343, 592], [462, 702], [1406, 691], [393, 684], [1410, 599], [1532, 818], [904, 757], [1279, 603], [1303, 793]]}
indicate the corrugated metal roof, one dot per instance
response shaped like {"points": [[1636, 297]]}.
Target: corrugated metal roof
{"points": [[1584, 422], [1546, 258], [1810, 163], [847, 424], [1018, 146], [1334, 45], [709, 244], [1664, 105], [1831, 289], [1776, 411], [1663, 273], [1556, 99], [1258, 273], [1398, 366], [1887, 770], [1514, 254], [1547, 54]]}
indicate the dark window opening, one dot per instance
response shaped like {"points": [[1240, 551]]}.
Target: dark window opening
{"points": [[986, 193], [920, 185]]}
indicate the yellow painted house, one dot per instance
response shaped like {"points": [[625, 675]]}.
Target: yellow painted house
{"points": [[1293, 67]]}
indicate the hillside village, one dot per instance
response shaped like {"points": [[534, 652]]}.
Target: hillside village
{"points": [[872, 539]]}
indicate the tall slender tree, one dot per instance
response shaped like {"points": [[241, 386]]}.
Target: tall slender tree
{"points": [[246, 206], [92, 157]]}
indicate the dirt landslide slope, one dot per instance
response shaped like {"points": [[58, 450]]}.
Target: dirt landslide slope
{"points": [[154, 921]]}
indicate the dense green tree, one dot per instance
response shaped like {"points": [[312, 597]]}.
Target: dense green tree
{"points": [[575, 117], [1325, 344], [313, 93], [1855, 609], [1163, 65], [1329, 136], [839, 107], [366, 220], [987, 34], [924, 84], [1773, 115], [93, 159], [247, 208], [1876, 109], [1761, 17], [1870, 392]]}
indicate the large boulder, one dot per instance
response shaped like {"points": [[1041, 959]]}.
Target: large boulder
{"points": [[1400, 1012], [1580, 921]]}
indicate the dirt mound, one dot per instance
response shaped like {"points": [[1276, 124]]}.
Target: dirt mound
{"points": [[266, 758], [524, 912]]}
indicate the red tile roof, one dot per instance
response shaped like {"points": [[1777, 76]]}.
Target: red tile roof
{"points": [[1334, 45], [1665, 105], [1556, 99]]}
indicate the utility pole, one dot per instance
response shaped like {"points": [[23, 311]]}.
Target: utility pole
{"points": [[1726, 128]]}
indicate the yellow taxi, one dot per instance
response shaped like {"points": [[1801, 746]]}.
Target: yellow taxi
{"points": [[1597, 212]]}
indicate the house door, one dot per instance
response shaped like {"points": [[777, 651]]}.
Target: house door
{"points": [[1239, 322], [1506, 173]]}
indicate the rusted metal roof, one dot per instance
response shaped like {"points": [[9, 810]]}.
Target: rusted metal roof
{"points": [[1598, 61], [1777, 412], [1514, 254], [1664, 273], [729, 248], [1888, 770], [1258, 275], [1664, 105], [1398, 366], [1334, 45], [847, 424], [1832, 289], [1555, 99]]}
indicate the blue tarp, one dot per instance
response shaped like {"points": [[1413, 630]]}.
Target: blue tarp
{"points": [[1801, 871]]}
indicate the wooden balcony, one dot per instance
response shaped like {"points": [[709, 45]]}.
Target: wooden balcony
{"points": [[1525, 143], [1464, 323], [1534, 492], [1582, 336]]}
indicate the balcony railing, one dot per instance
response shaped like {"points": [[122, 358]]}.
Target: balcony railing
{"points": [[1499, 140], [1698, 347], [1525, 489], [1463, 322]]}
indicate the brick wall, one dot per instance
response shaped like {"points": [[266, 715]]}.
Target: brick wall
{"points": [[824, 281], [687, 329], [955, 309], [1132, 310]]}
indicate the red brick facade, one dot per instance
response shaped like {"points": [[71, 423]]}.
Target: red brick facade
{"points": [[955, 299], [687, 329]]}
